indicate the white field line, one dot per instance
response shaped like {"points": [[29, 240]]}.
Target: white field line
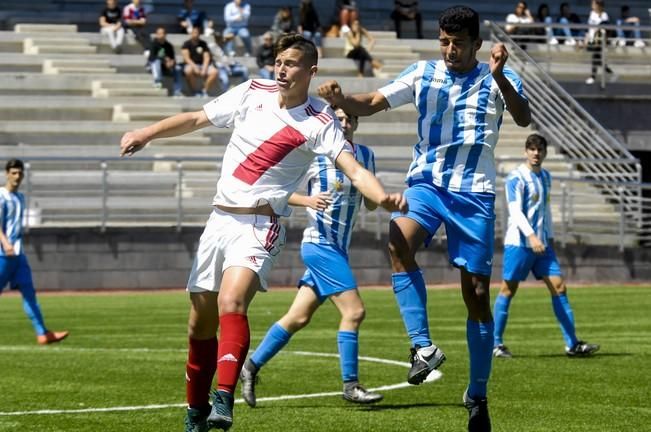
{"points": [[433, 376]]}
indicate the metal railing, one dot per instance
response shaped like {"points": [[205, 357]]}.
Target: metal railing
{"points": [[606, 50], [177, 192], [595, 153]]}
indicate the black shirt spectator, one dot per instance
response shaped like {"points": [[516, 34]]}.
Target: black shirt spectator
{"points": [[112, 15], [196, 49], [265, 58], [110, 23], [407, 10], [309, 19]]}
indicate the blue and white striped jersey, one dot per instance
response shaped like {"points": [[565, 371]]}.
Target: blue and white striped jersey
{"points": [[11, 218], [528, 195], [459, 116], [334, 225]]}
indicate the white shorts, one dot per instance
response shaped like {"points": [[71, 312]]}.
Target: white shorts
{"points": [[232, 240]]}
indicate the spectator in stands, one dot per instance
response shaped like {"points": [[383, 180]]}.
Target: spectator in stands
{"points": [[227, 67], [236, 17], [14, 267], [198, 63], [407, 10], [162, 61], [521, 15], [283, 22], [189, 17], [110, 23], [544, 17], [265, 57], [310, 26], [347, 13], [596, 39], [626, 37], [355, 49], [135, 19], [569, 35], [529, 248]]}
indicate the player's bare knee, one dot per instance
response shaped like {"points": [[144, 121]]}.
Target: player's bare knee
{"points": [[297, 322], [355, 315], [401, 256], [231, 304]]}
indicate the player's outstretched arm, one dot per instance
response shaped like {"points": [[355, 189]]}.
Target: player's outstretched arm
{"points": [[361, 104], [369, 185], [517, 105], [320, 201], [176, 125]]}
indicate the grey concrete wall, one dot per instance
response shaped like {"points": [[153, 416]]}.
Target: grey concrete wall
{"points": [[150, 258]]}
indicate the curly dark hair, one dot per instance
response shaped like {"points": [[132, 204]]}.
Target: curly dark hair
{"points": [[457, 18]]}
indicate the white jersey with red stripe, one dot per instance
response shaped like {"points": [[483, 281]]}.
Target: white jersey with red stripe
{"points": [[271, 148]]}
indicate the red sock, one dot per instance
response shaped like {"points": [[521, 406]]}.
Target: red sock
{"points": [[234, 338], [200, 371]]}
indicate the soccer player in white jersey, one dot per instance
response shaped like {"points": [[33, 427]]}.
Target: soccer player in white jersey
{"points": [[277, 131], [529, 247], [332, 204], [14, 267], [460, 103]]}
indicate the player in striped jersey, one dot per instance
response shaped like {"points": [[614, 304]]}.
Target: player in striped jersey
{"points": [[14, 267], [332, 204], [460, 103], [278, 130], [529, 247]]}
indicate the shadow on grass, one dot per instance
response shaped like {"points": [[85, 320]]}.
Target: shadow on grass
{"points": [[576, 358], [405, 406], [357, 407]]}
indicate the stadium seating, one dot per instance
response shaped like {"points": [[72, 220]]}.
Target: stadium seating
{"points": [[65, 94]]}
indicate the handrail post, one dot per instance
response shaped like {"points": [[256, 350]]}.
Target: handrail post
{"points": [[179, 193], [563, 218], [571, 196], [620, 191], [104, 217], [378, 222], [28, 195], [603, 57], [639, 211]]}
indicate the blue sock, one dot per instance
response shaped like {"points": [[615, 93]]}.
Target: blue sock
{"points": [[501, 316], [347, 342], [411, 295], [480, 349], [32, 309], [275, 339], [565, 317]]}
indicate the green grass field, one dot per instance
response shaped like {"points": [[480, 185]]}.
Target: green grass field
{"points": [[128, 351]]}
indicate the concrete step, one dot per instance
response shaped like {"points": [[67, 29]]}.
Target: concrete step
{"points": [[126, 113], [77, 63], [62, 49], [79, 70], [60, 40], [45, 28], [129, 91], [142, 81], [150, 116], [406, 56]]}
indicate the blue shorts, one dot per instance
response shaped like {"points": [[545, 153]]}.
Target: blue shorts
{"points": [[15, 271], [328, 271], [469, 220], [519, 261]]}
